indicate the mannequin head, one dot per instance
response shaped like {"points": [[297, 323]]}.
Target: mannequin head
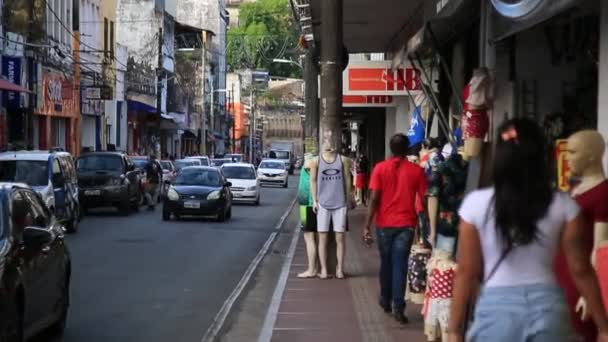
{"points": [[329, 141], [585, 151]]}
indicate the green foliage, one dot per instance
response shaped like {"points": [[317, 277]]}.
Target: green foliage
{"points": [[266, 31]]}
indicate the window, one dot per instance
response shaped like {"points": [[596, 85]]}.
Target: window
{"points": [[32, 172], [40, 214], [105, 37], [112, 41]]}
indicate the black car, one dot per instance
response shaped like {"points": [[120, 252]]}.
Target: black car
{"points": [[200, 191], [35, 272], [108, 179]]}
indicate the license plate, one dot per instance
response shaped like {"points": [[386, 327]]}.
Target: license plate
{"points": [[192, 205], [92, 192], [236, 194]]}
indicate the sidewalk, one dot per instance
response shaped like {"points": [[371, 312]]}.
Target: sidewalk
{"points": [[341, 310]]}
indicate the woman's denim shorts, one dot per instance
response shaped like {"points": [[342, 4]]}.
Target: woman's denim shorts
{"points": [[526, 313]]}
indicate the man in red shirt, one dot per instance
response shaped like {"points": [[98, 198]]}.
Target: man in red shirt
{"points": [[395, 183]]}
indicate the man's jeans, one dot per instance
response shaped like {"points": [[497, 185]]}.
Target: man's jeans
{"points": [[151, 194], [394, 245]]}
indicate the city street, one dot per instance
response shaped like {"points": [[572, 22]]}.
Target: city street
{"points": [[138, 278]]}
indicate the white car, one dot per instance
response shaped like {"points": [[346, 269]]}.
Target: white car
{"points": [[204, 160], [245, 186], [272, 171]]}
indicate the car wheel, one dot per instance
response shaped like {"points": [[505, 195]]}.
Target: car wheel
{"points": [[166, 215], [11, 327], [59, 327]]}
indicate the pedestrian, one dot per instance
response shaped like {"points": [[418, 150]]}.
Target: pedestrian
{"points": [[395, 183], [153, 176], [362, 172], [508, 238]]}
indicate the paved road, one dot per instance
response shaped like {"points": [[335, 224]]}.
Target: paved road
{"points": [[137, 278]]}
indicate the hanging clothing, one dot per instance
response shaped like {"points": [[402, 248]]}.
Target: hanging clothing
{"points": [[438, 297], [417, 274], [416, 133], [475, 121], [330, 184]]}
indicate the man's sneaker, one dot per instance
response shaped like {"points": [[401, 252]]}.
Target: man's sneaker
{"points": [[400, 317]]}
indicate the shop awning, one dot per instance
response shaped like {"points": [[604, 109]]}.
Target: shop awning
{"points": [[504, 27], [136, 106], [455, 17], [10, 86]]}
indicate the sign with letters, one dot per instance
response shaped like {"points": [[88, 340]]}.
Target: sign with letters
{"points": [[11, 70], [379, 78]]}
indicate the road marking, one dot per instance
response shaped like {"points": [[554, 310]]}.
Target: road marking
{"points": [[220, 317], [275, 303]]}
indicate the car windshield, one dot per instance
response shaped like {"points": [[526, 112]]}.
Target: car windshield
{"points": [[180, 164], [237, 158], [272, 165], [140, 163], [278, 155], [238, 172], [166, 165], [99, 163], [196, 176], [32, 172], [220, 162]]}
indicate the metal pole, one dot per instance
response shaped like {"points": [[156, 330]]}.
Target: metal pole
{"points": [[159, 90], [203, 123], [331, 75], [212, 114], [251, 114]]}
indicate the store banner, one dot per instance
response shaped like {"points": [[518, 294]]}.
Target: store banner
{"points": [[380, 78], [58, 98], [11, 70], [563, 169]]}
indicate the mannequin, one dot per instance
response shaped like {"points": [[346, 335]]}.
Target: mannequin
{"points": [[329, 156], [585, 152], [441, 270], [447, 183], [477, 99], [309, 222], [417, 273]]}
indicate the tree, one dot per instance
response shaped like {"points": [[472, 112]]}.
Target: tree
{"points": [[267, 31]]}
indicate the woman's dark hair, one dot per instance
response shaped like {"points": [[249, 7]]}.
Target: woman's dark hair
{"points": [[522, 185]]}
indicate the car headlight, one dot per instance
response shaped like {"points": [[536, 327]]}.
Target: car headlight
{"points": [[172, 194], [252, 188], [214, 195]]}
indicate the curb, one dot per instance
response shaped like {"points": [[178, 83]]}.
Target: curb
{"points": [[220, 318]]}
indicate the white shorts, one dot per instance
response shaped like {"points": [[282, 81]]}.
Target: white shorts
{"points": [[335, 216]]}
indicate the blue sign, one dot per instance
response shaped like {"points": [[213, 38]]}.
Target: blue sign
{"points": [[11, 70]]}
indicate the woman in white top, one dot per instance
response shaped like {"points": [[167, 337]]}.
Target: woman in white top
{"points": [[508, 238]]}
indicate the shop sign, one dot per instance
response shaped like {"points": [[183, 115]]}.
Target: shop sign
{"points": [[368, 101], [57, 94], [378, 78], [11, 70], [563, 169], [98, 93]]}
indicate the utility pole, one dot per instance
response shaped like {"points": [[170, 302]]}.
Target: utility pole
{"points": [[251, 125], [203, 123], [233, 120], [311, 93], [159, 93], [331, 75]]}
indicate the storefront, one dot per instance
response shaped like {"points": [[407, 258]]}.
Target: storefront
{"points": [[58, 112]]}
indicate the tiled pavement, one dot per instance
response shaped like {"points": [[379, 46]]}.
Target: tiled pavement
{"points": [[341, 310]]}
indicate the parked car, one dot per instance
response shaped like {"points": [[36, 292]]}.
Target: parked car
{"points": [[271, 171], [245, 186], [109, 179], [52, 175], [204, 160], [36, 266], [218, 162], [182, 163], [199, 191], [235, 157]]}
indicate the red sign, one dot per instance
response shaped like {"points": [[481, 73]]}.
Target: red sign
{"points": [[58, 95], [378, 78], [365, 100]]}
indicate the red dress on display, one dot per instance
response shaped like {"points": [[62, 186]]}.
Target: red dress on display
{"points": [[475, 122], [594, 206]]}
